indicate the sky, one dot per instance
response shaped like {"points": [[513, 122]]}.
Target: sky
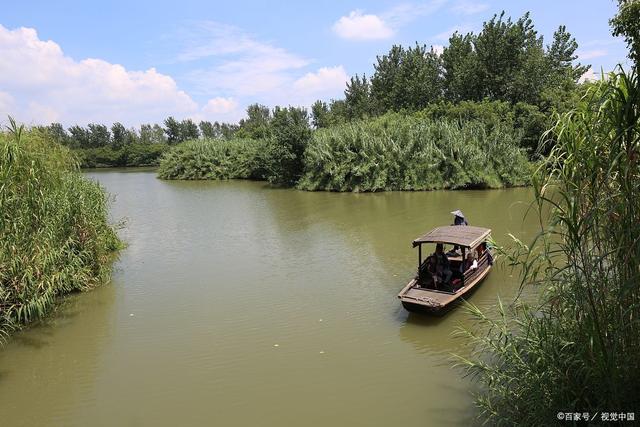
{"points": [[134, 62]]}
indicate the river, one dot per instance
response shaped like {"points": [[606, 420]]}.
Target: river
{"points": [[236, 304]]}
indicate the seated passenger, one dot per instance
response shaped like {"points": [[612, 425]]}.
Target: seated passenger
{"points": [[442, 263], [432, 268], [470, 263]]}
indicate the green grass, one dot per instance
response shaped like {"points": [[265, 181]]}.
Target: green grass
{"points": [[396, 152], [54, 234], [576, 349]]}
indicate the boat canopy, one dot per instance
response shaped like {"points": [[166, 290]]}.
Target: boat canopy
{"points": [[462, 235]]}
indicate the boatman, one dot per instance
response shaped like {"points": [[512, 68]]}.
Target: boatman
{"points": [[458, 218]]}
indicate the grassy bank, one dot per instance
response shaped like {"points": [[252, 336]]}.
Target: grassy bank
{"points": [[576, 350], [54, 235], [397, 152]]}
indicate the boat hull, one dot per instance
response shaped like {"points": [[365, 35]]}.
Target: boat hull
{"points": [[415, 306]]}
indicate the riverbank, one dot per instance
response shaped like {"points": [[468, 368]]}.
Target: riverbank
{"points": [[55, 237]]}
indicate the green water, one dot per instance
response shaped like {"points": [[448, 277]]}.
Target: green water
{"points": [[238, 304]]}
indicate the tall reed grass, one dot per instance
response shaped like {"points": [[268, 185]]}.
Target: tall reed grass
{"points": [[576, 350], [214, 159], [54, 234], [396, 152]]}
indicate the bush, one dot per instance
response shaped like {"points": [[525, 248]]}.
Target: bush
{"points": [[54, 235], [396, 152], [214, 159]]}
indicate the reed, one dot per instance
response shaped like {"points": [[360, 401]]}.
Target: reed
{"points": [[214, 159], [576, 348], [54, 234], [396, 152]]}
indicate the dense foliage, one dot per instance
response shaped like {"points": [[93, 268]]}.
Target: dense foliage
{"points": [[506, 61], [100, 146], [54, 235], [396, 152], [577, 350], [214, 159], [128, 155]]}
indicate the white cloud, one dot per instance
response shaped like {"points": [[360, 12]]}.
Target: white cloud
{"points": [[360, 26], [589, 76], [357, 26], [222, 110], [465, 7], [220, 105], [41, 85], [326, 79], [232, 62], [590, 54], [438, 48]]}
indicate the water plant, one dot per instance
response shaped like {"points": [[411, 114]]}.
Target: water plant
{"points": [[576, 349], [399, 152], [54, 234], [214, 159]]}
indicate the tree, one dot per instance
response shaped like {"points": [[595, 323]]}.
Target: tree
{"points": [[290, 133], [99, 135], [407, 79], [57, 133], [626, 24], [207, 130], [561, 55], [320, 114], [172, 130], [256, 125], [383, 82], [188, 130], [119, 135], [79, 137], [357, 98], [460, 65], [420, 79]]}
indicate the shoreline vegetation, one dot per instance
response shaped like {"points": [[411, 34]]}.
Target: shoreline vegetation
{"points": [[470, 116], [574, 350], [54, 235]]}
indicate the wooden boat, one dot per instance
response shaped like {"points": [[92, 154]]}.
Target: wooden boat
{"points": [[425, 292]]}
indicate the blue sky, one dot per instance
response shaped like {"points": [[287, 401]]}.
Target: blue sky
{"points": [[141, 61]]}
